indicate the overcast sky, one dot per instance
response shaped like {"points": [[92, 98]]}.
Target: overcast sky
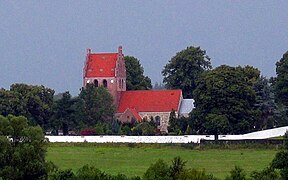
{"points": [[44, 42]]}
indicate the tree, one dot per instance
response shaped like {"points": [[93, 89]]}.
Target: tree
{"points": [[11, 103], [135, 75], [177, 125], [281, 84], [64, 113], [216, 124], [269, 111], [22, 149], [184, 69], [173, 122], [225, 95], [177, 167], [33, 102], [96, 105]]}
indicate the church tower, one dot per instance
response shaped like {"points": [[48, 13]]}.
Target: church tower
{"points": [[107, 70]]}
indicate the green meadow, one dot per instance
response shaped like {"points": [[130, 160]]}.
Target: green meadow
{"points": [[135, 159]]}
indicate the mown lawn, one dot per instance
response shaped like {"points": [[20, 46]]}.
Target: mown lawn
{"points": [[135, 160]]}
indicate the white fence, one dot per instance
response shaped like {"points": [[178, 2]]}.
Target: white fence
{"points": [[168, 139]]}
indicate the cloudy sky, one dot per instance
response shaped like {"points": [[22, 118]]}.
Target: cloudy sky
{"points": [[44, 42]]}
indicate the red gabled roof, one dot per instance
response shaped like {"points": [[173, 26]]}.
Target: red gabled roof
{"points": [[135, 114], [101, 65], [150, 100]]}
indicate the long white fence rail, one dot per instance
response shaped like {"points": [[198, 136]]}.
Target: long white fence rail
{"points": [[168, 139]]}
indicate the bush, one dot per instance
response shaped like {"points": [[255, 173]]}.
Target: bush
{"points": [[237, 174], [143, 128], [160, 171], [90, 172], [193, 174], [266, 174], [62, 175]]}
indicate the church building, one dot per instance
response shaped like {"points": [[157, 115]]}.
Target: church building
{"points": [[108, 70]]}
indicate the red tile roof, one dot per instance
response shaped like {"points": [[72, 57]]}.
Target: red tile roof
{"points": [[150, 100], [101, 65], [135, 114]]}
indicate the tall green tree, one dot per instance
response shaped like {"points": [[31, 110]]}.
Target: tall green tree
{"points": [[22, 150], [183, 70], [96, 105], [64, 113], [269, 111], [225, 101], [281, 81], [136, 80]]}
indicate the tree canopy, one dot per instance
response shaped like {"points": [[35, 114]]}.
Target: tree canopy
{"points": [[33, 102], [22, 149], [135, 75], [270, 115], [96, 105], [184, 69], [281, 84], [224, 100], [65, 111]]}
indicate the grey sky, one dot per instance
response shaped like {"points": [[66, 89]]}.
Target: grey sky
{"points": [[44, 42]]}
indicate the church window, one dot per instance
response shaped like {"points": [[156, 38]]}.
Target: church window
{"points": [[105, 83], [119, 83], [96, 83], [157, 119]]}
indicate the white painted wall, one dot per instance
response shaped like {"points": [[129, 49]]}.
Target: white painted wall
{"points": [[265, 134], [130, 139], [168, 139]]}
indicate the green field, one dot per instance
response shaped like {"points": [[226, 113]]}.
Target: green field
{"points": [[135, 160]]}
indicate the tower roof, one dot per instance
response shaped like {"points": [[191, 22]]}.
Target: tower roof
{"points": [[150, 100], [100, 65]]}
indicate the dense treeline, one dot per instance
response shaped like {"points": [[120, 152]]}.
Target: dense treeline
{"points": [[228, 100], [23, 152]]}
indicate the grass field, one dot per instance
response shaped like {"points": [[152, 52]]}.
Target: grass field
{"points": [[135, 160]]}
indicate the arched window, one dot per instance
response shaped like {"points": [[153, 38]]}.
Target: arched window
{"points": [[145, 118], [105, 83], [96, 83], [119, 83], [122, 83], [157, 120]]}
